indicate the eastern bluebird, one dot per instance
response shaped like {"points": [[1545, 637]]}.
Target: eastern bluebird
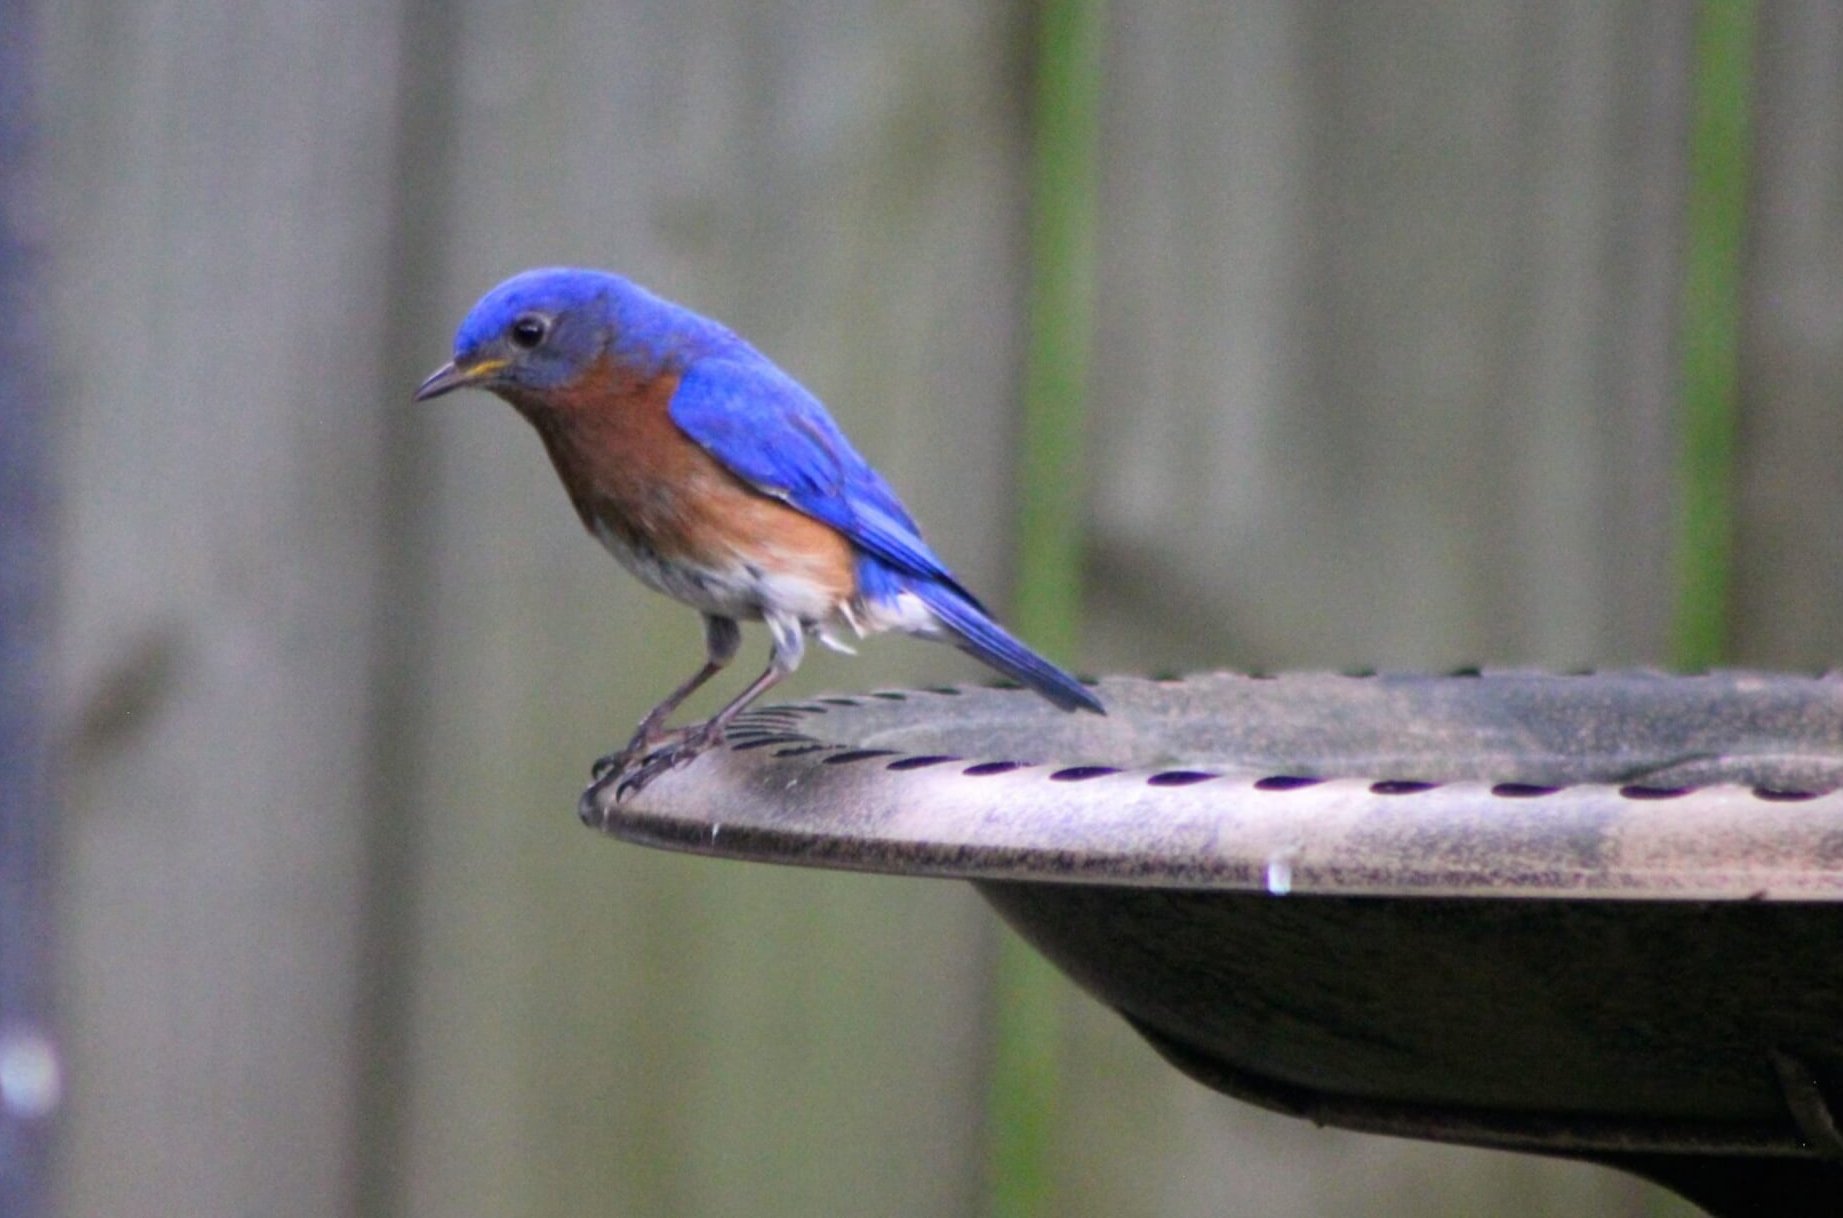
{"points": [[715, 478]]}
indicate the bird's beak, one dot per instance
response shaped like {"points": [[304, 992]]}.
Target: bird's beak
{"points": [[452, 375]]}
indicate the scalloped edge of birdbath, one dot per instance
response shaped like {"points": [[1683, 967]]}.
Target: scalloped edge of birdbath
{"points": [[1738, 801]]}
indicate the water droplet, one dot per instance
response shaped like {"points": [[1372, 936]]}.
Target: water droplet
{"points": [[1280, 871], [31, 1078]]}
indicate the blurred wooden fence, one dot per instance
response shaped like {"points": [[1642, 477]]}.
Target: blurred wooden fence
{"points": [[1384, 372]]}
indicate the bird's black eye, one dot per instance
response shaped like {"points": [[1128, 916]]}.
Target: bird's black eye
{"points": [[528, 331]]}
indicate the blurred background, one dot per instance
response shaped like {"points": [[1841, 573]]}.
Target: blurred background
{"points": [[1387, 366]]}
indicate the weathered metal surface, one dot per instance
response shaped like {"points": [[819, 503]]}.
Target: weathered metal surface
{"points": [[1591, 916], [1523, 785]]}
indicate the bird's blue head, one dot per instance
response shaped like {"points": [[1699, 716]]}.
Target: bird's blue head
{"points": [[540, 330]]}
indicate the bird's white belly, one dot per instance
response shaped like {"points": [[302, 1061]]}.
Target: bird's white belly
{"points": [[735, 588]]}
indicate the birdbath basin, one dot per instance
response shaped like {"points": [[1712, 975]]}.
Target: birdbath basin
{"points": [[1592, 916]]}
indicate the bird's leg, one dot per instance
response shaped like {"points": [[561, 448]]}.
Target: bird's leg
{"points": [[789, 647], [721, 639]]}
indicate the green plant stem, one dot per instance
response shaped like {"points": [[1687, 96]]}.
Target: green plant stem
{"points": [[1711, 317], [1047, 594], [1020, 1113], [1061, 324]]}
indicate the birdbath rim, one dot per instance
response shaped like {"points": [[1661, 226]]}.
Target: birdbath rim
{"points": [[1512, 784]]}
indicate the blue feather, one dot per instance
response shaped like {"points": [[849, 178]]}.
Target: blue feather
{"points": [[774, 435], [986, 641]]}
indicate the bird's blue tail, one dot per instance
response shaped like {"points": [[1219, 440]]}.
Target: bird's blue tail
{"points": [[986, 641]]}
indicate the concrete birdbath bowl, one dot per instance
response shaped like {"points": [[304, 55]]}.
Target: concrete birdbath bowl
{"points": [[1591, 916]]}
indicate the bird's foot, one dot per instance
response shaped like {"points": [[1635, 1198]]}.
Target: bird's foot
{"points": [[637, 765], [662, 761], [649, 739], [614, 763]]}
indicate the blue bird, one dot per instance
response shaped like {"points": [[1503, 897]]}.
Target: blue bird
{"points": [[717, 479]]}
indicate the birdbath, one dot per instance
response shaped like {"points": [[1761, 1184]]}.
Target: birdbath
{"points": [[1598, 917]]}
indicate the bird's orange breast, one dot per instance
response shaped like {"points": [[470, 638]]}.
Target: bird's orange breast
{"points": [[632, 473]]}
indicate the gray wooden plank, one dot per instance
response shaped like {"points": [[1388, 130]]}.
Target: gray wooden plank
{"points": [[31, 1048], [1387, 330], [1788, 497], [219, 189]]}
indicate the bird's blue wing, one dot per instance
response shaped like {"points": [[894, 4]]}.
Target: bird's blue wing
{"points": [[774, 435]]}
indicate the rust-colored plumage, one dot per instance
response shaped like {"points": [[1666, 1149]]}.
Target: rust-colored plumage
{"points": [[639, 483]]}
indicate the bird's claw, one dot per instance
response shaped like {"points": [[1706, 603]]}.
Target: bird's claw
{"points": [[637, 765], [647, 741], [659, 761], [612, 763]]}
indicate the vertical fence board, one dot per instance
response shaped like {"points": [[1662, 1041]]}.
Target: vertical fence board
{"points": [[1368, 386], [30, 1049], [1789, 566], [220, 197]]}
